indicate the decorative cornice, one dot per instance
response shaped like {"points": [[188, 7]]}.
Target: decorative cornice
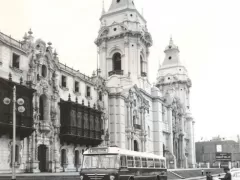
{"points": [[145, 38]]}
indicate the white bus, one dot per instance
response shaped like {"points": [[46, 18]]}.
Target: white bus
{"points": [[113, 163]]}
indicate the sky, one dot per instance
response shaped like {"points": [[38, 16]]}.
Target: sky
{"points": [[206, 31]]}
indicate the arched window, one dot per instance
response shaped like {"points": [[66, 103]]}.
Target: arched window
{"points": [[17, 155], [43, 107], [141, 63], [136, 146], [63, 157], [143, 67], [44, 71], [117, 62], [77, 160], [100, 96]]}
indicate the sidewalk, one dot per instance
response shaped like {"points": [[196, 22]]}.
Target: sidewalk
{"points": [[43, 174]]}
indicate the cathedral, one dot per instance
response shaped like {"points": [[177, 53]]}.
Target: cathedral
{"points": [[66, 112]]}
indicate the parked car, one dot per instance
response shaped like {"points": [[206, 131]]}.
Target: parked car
{"points": [[235, 174]]}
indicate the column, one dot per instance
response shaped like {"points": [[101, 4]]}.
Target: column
{"points": [[194, 150], [131, 115], [172, 158], [141, 118], [170, 143], [103, 62], [191, 142], [147, 68], [128, 116], [138, 59]]}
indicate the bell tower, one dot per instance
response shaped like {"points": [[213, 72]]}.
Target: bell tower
{"points": [[173, 76], [123, 41], [173, 80]]}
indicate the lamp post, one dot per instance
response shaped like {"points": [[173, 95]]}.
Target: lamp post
{"points": [[21, 109]]}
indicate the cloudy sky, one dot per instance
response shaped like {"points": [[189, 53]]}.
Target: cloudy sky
{"points": [[206, 31]]}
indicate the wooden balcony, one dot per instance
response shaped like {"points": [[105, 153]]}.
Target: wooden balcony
{"points": [[80, 124], [24, 125], [78, 135], [117, 72], [24, 121]]}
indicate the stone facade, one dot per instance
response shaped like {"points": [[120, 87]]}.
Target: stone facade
{"points": [[135, 115]]}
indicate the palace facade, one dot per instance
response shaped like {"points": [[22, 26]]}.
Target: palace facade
{"points": [[67, 111]]}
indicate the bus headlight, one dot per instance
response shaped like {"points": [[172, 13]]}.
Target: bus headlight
{"points": [[112, 177], [81, 177]]}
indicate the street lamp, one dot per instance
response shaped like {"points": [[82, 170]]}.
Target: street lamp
{"points": [[21, 109]]}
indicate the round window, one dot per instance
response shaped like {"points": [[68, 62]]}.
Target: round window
{"points": [[169, 57], [115, 29]]}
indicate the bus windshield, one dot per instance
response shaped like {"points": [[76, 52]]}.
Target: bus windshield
{"points": [[100, 161]]}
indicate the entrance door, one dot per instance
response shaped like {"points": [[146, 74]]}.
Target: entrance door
{"points": [[42, 157]]}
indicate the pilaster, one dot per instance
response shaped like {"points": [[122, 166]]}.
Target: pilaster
{"points": [[126, 57], [171, 157]]}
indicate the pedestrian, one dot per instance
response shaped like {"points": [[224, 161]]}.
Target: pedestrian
{"points": [[227, 175], [202, 172], [209, 177]]}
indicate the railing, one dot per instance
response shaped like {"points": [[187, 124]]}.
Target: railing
{"points": [[137, 126], [76, 131], [143, 74], [117, 72], [21, 120]]}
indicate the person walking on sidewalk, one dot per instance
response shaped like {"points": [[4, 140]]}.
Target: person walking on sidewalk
{"points": [[227, 176], [202, 172], [209, 176]]}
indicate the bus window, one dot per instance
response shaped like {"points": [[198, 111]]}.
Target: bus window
{"points": [[150, 163], [157, 163], [144, 162], [162, 164], [130, 161], [137, 162], [123, 160]]}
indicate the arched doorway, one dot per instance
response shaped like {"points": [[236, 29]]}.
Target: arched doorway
{"points": [[77, 160], [63, 158], [117, 62], [43, 107], [136, 146], [42, 158]]}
